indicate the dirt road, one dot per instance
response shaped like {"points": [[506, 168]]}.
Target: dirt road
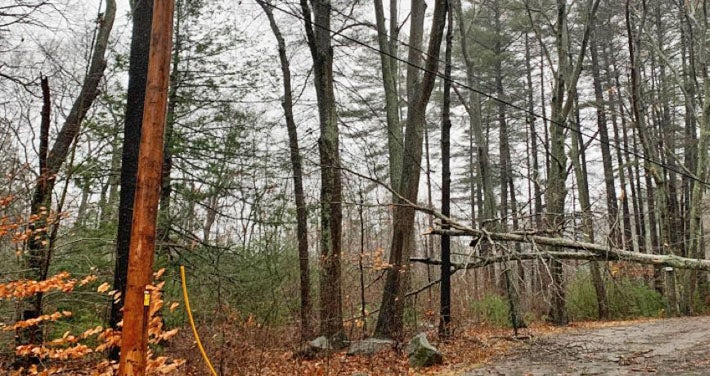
{"points": [[678, 346]]}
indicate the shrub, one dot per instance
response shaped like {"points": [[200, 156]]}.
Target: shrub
{"points": [[630, 298], [582, 298], [260, 281], [72, 352], [626, 298], [493, 310]]}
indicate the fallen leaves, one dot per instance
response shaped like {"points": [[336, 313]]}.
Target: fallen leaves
{"points": [[249, 349]]}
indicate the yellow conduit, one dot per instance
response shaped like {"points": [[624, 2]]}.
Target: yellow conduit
{"points": [[192, 322]]}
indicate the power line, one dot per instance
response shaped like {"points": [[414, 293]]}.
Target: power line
{"points": [[576, 129]]}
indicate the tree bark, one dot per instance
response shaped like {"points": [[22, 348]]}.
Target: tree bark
{"points": [[484, 177], [296, 166], [390, 321], [445, 295], [536, 208], [331, 311], [579, 162], [166, 190], [388, 61], [586, 250], [702, 172], [609, 181], [566, 78], [503, 142], [37, 257]]}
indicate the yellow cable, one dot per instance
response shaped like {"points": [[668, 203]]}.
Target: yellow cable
{"points": [[192, 322]]}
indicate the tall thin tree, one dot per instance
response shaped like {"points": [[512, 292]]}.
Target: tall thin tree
{"points": [[565, 84], [296, 166], [318, 37], [38, 257], [445, 295], [390, 321]]}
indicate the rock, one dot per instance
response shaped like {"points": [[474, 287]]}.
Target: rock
{"points": [[422, 353], [370, 346], [310, 350], [321, 343]]}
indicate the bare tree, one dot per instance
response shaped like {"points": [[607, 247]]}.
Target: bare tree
{"points": [[299, 196], [318, 35], [38, 256], [565, 85], [389, 322], [388, 57]]}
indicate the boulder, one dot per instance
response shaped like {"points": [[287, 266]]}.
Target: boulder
{"points": [[422, 353], [321, 343], [311, 349], [370, 346]]}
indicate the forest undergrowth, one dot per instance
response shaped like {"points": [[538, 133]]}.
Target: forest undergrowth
{"points": [[238, 353]]}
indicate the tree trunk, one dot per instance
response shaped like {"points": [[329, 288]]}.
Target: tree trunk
{"points": [[658, 225], [390, 321], [331, 311], [503, 143], [37, 257], [579, 162], [389, 83], [166, 191], [702, 172], [484, 176], [609, 181], [536, 208], [296, 165], [566, 78], [445, 295]]}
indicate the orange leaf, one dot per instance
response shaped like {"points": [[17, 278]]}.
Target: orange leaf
{"points": [[103, 288], [159, 273]]}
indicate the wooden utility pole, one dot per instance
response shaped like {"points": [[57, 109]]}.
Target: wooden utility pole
{"points": [[134, 343]]}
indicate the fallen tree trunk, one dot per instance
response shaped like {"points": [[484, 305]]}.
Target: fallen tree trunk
{"points": [[479, 262], [588, 251]]}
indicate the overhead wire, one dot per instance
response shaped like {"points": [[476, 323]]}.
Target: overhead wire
{"points": [[576, 129]]}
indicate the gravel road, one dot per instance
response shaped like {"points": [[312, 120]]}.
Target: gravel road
{"points": [[677, 346]]}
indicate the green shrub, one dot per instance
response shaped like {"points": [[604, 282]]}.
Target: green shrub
{"points": [[260, 281], [582, 298], [493, 310], [626, 298], [630, 298], [700, 306]]}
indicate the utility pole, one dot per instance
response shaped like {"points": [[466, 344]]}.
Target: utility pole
{"points": [[134, 342]]}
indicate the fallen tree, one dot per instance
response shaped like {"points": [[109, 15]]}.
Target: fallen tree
{"points": [[584, 250]]}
